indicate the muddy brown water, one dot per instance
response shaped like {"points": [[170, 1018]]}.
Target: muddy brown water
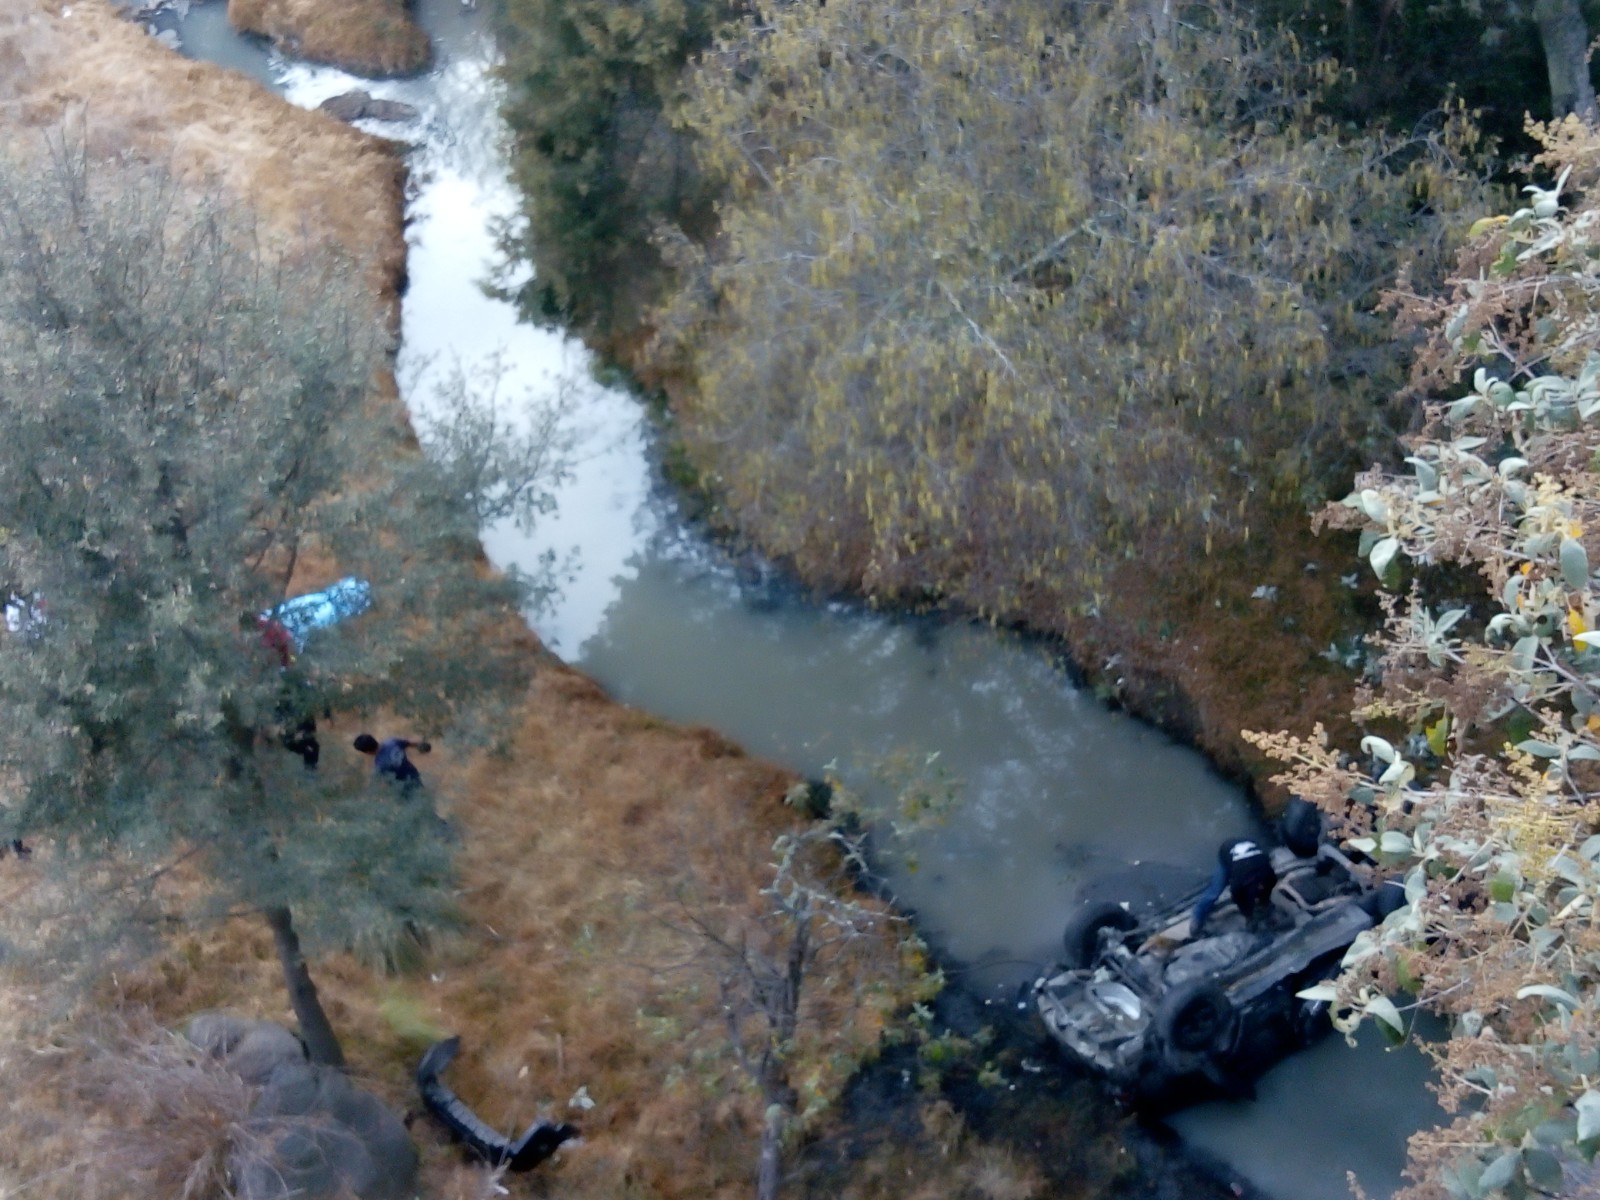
{"points": [[1058, 794]]}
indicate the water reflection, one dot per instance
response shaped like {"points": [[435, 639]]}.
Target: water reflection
{"points": [[1051, 782], [1321, 1109]]}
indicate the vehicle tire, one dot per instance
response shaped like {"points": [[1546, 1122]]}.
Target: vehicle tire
{"points": [[1389, 896], [1081, 940], [1301, 827], [1196, 1018]]}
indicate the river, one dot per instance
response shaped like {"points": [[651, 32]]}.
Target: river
{"points": [[1056, 791]]}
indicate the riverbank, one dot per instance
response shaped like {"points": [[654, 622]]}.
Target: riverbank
{"points": [[571, 982], [82, 68], [1265, 634], [582, 837], [366, 37]]}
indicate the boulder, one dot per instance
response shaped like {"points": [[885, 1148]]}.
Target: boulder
{"points": [[358, 105], [251, 1049], [312, 1133]]}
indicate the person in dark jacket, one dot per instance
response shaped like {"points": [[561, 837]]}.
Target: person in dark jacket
{"points": [[1244, 868], [297, 726], [389, 758]]}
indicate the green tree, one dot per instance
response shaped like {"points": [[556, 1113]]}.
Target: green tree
{"points": [[1489, 807], [186, 418], [1002, 292], [591, 89]]}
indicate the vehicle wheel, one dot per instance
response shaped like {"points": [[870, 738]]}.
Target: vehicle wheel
{"points": [[1081, 941], [1301, 827], [1195, 1018], [1389, 896]]}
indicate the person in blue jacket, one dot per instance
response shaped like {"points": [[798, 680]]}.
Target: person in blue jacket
{"points": [[389, 758], [1245, 869]]}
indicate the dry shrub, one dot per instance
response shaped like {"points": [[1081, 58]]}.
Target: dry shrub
{"points": [[124, 1109], [368, 37], [176, 1116], [305, 173]]}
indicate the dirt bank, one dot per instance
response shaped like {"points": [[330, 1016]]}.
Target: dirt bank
{"points": [[1262, 636], [365, 37]]}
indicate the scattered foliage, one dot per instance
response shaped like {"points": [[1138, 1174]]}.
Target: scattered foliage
{"points": [[186, 430], [813, 973], [1490, 805], [1001, 293]]}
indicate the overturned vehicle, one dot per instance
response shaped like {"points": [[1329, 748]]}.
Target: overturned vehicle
{"points": [[1163, 1015]]}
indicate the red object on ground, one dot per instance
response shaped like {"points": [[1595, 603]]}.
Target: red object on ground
{"points": [[277, 639]]}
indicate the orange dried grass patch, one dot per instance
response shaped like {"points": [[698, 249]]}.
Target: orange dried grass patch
{"points": [[309, 176], [575, 842], [368, 37]]}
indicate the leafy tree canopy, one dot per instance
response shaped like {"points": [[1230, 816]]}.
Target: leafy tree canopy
{"points": [[186, 423], [1489, 806], [592, 88], [1002, 292]]}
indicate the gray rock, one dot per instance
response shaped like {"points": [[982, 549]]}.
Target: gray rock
{"points": [[312, 1132], [303, 1159], [251, 1048], [329, 1134], [358, 105]]}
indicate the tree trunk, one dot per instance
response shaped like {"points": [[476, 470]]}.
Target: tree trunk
{"points": [[783, 1016], [321, 1043], [1565, 37], [769, 1174]]}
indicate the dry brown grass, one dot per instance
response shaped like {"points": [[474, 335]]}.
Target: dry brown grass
{"points": [[571, 974], [309, 175], [579, 841], [368, 37], [122, 1109]]}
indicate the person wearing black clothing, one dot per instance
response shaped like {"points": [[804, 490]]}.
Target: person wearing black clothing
{"points": [[297, 727], [299, 736], [1244, 868]]}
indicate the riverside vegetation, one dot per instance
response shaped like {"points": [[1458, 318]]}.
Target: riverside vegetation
{"points": [[555, 960], [1491, 815], [1064, 314]]}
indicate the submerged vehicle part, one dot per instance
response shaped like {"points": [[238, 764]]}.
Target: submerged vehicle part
{"points": [[1140, 1001]]}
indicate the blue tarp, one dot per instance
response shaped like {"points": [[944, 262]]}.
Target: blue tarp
{"points": [[302, 615]]}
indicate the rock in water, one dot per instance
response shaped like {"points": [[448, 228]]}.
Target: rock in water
{"points": [[358, 105]]}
